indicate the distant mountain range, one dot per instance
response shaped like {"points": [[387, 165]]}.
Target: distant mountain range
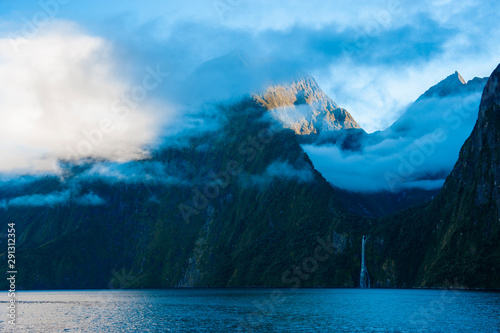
{"points": [[245, 205]]}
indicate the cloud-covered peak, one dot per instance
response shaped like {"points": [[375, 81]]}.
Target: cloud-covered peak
{"points": [[417, 151], [454, 84], [301, 105]]}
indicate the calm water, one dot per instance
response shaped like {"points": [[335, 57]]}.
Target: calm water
{"points": [[257, 310]]}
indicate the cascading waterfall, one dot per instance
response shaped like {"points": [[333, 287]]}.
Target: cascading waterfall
{"points": [[364, 278]]}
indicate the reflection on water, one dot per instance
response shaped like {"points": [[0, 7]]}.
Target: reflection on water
{"points": [[257, 310]]}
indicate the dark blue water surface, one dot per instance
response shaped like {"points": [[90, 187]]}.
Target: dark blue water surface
{"points": [[257, 310]]}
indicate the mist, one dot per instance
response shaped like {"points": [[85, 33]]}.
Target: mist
{"points": [[278, 170], [418, 151], [53, 199]]}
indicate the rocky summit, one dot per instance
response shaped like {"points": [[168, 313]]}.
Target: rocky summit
{"points": [[302, 106]]}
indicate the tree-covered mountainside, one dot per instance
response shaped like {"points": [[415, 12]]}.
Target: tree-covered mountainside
{"points": [[243, 206], [249, 207]]}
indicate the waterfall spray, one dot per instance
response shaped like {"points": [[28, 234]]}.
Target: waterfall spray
{"points": [[364, 278]]}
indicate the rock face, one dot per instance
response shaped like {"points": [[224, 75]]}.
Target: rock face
{"points": [[468, 207], [302, 106], [477, 171]]}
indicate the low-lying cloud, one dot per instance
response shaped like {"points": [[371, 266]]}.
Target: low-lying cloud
{"points": [[89, 199], [134, 172], [278, 170], [40, 200], [53, 199], [418, 151]]}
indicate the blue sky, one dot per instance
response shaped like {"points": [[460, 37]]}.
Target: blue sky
{"points": [[372, 59]]}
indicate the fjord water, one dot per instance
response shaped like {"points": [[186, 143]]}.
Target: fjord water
{"points": [[258, 310]]}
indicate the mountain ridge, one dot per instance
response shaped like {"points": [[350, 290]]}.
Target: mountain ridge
{"points": [[291, 96], [257, 210], [453, 84], [321, 113], [460, 228]]}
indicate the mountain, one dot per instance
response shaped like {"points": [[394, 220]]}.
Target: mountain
{"points": [[406, 164], [456, 237], [303, 107], [242, 205], [228, 64], [453, 85], [237, 208], [292, 97], [450, 103], [469, 205], [232, 207]]}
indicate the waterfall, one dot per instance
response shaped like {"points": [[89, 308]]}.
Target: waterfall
{"points": [[364, 278]]}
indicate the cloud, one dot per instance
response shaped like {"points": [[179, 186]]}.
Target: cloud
{"points": [[373, 68], [62, 96], [418, 151], [278, 170], [257, 15], [135, 172], [89, 199], [40, 200], [13, 181], [52, 199], [372, 59]]}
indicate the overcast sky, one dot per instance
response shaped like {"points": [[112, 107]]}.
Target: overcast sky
{"points": [[66, 65]]}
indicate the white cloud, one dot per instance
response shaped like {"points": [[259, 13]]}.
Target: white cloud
{"points": [[40, 200], [90, 199], [145, 172], [278, 170], [60, 96], [419, 156], [52, 199]]}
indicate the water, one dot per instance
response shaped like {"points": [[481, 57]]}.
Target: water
{"points": [[364, 278], [257, 310]]}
